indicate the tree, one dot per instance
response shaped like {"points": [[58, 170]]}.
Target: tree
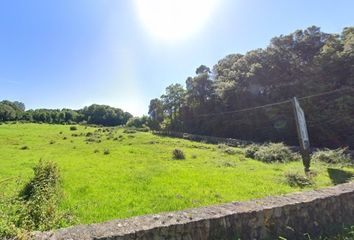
{"points": [[302, 63], [173, 100], [155, 113]]}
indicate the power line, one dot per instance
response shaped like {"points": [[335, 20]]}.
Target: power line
{"points": [[326, 93], [275, 104], [245, 109]]}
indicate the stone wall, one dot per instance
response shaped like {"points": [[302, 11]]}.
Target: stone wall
{"points": [[291, 216]]}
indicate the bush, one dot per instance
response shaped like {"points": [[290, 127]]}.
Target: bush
{"points": [[251, 150], [129, 131], [298, 180], [332, 156], [143, 129], [178, 154], [41, 197], [73, 128], [24, 147], [138, 122], [106, 152], [274, 152], [89, 134], [35, 208], [51, 142]]}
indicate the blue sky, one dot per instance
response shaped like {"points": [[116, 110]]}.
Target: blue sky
{"points": [[72, 53]]}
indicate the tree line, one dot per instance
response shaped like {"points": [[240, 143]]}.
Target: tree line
{"points": [[303, 63], [94, 114]]}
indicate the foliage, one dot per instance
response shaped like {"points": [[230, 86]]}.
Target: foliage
{"points": [[178, 154], [129, 131], [36, 206], [138, 122], [73, 128], [274, 152], [332, 156], [94, 114], [251, 150], [295, 179], [227, 149], [104, 115], [302, 63]]}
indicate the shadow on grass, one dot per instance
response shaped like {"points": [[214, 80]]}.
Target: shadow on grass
{"points": [[339, 176]]}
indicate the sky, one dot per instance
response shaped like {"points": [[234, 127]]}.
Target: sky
{"points": [[123, 53]]}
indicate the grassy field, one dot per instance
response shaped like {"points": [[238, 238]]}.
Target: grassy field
{"points": [[139, 175]]}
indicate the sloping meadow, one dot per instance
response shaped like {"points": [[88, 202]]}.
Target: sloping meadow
{"points": [[109, 173]]}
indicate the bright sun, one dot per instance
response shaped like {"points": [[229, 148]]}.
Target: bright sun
{"points": [[174, 20]]}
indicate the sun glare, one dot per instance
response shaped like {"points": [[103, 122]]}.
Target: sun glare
{"points": [[174, 20]]}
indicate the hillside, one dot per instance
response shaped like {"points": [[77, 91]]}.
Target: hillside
{"points": [[112, 173]]}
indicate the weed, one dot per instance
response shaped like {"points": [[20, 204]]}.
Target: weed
{"points": [[36, 207], [295, 179], [274, 152], [332, 156], [178, 154], [73, 128], [129, 131], [251, 150]]}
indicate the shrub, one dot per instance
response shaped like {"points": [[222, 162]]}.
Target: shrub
{"points": [[178, 154], [138, 122], [64, 138], [332, 156], [89, 134], [298, 180], [51, 142], [106, 152], [73, 128], [251, 150], [96, 151], [74, 135], [41, 197], [60, 132], [24, 147], [274, 152], [129, 131], [231, 150], [227, 163], [143, 129]]}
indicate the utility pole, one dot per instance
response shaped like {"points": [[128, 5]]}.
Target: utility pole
{"points": [[302, 134]]}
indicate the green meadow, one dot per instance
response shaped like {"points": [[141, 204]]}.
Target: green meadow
{"points": [[110, 173]]}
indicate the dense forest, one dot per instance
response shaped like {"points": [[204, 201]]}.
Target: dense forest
{"points": [[94, 114], [314, 66]]}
